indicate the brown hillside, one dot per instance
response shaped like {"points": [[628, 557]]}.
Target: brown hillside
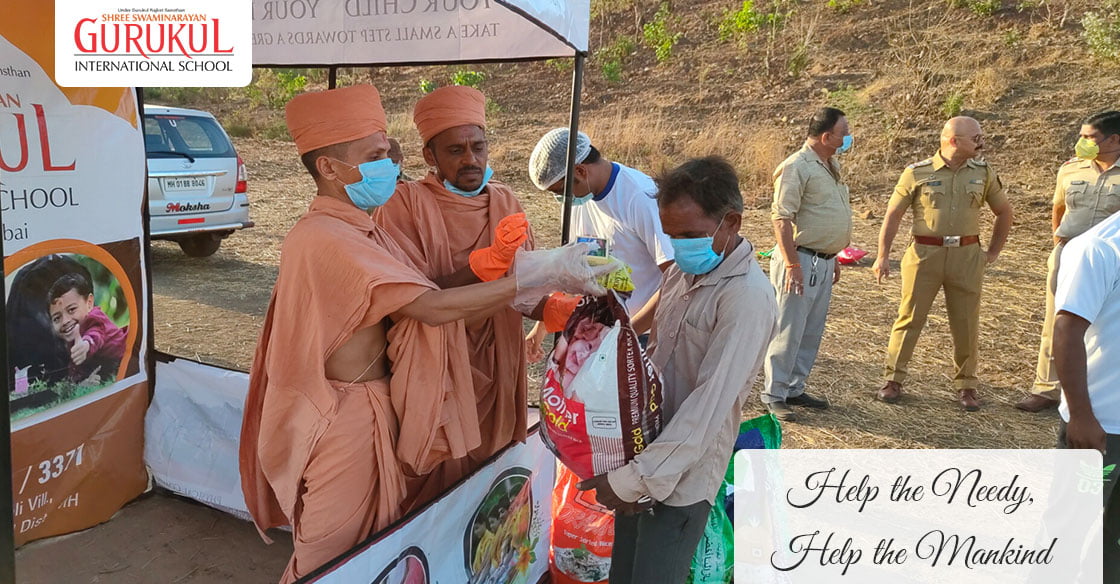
{"points": [[895, 66]]}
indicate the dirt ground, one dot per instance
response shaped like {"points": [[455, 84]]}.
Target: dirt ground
{"points": [[890, 63], [158, 538]]}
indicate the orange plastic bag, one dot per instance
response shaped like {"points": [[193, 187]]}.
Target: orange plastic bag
{"points": [[582, 533]]}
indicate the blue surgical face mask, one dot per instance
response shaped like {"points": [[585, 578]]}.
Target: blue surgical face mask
{"points": [[845, 145], [576, 201], [489, 172], [695, 255], [379, 180]]}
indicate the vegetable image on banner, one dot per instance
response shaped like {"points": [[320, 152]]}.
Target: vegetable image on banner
{"points": [[497, 545], [72, 174]]}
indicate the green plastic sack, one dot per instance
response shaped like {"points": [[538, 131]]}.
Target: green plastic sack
{"points": [[713, 562]]}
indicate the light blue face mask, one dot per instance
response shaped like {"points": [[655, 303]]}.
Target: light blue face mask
{"points": [[489, 172], [695, 255], [845, 145], [379, 180], [576, 201]]}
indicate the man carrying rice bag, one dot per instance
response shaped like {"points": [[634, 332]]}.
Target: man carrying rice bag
{"points": [[716, 317]]}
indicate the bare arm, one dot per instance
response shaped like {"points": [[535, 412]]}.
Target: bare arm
{"points": [[1084, 431], [463, 277], [642, 320], [783, 233], [895, 210], [436, 307]]}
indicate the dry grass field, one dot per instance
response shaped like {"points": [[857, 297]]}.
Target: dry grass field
{"points": [[898, 68]]}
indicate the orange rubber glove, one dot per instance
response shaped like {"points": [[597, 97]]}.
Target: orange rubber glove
{"points": [[558, 309], [491, 263]]}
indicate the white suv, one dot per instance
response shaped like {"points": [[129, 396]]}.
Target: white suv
{"points": [[196, 181]]}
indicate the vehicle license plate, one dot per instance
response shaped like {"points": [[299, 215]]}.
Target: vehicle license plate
{"points": [[189, 183]]}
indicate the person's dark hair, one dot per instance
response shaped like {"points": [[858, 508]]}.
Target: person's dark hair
{"points": [[824, 120], [68, 282], [1107, 123], [710, 182], [593, 156], [333, 151]]}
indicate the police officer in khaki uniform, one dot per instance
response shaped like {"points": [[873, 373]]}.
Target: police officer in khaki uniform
{"points": [[812, 218], [1088, 191], [946, 193]]}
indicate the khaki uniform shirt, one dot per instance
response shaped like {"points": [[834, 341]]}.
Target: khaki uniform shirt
{"points": [[813, 197], [947, 202], [709, 339], [1089, 195]]}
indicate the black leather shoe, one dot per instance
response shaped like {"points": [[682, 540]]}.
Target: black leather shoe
{"points": [[782, 411], [806, 400]]}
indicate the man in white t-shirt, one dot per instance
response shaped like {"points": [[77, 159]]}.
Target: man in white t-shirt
{"points": [[612, 202], [1087, 357]]}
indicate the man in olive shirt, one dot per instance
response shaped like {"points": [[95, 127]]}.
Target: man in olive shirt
{"points": [[1088, 192], [945, 193], [812, 218], [716, 316]]}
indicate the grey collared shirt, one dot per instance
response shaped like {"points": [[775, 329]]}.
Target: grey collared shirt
{"points": [[710, 334]]}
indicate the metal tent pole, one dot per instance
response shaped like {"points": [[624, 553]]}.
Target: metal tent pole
{"points": [[573, 127], [146, 254]]}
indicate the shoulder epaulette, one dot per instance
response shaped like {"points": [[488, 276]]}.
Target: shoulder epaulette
{"points": [[1071, 160], [925, 162]]}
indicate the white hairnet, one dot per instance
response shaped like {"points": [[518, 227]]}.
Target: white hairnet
{"points": [[549, 161]]}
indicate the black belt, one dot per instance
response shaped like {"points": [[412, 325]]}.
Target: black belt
{"points": [[823, 256]]}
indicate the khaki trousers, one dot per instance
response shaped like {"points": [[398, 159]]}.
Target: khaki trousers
{"points": [[1046, 376], [926, 269]]}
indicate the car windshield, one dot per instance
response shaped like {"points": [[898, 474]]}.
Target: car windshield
{"points": [[175, 136]]}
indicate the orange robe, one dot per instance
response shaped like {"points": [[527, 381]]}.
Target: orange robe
{"points": [[333, 459], [439, 229]]}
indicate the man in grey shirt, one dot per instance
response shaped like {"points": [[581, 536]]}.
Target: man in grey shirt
{"points": [[711, 328]]}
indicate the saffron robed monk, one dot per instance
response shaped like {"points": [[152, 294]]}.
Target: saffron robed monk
{"points": [[456, 223], [359, 393]]}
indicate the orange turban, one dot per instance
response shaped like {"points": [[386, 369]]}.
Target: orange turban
{"points": [[323, 118], [449, 107]]}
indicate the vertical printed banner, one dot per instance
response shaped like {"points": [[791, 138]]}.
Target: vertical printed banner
{"points": [[72, 172]]}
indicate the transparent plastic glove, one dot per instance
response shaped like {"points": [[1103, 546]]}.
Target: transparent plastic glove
{"points": [[562, 269]]}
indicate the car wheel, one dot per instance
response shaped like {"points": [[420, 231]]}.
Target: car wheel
{"points": [[200, 246]]}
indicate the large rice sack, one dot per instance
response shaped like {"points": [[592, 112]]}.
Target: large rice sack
{"points": [[582, 534], [601, 400]]}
